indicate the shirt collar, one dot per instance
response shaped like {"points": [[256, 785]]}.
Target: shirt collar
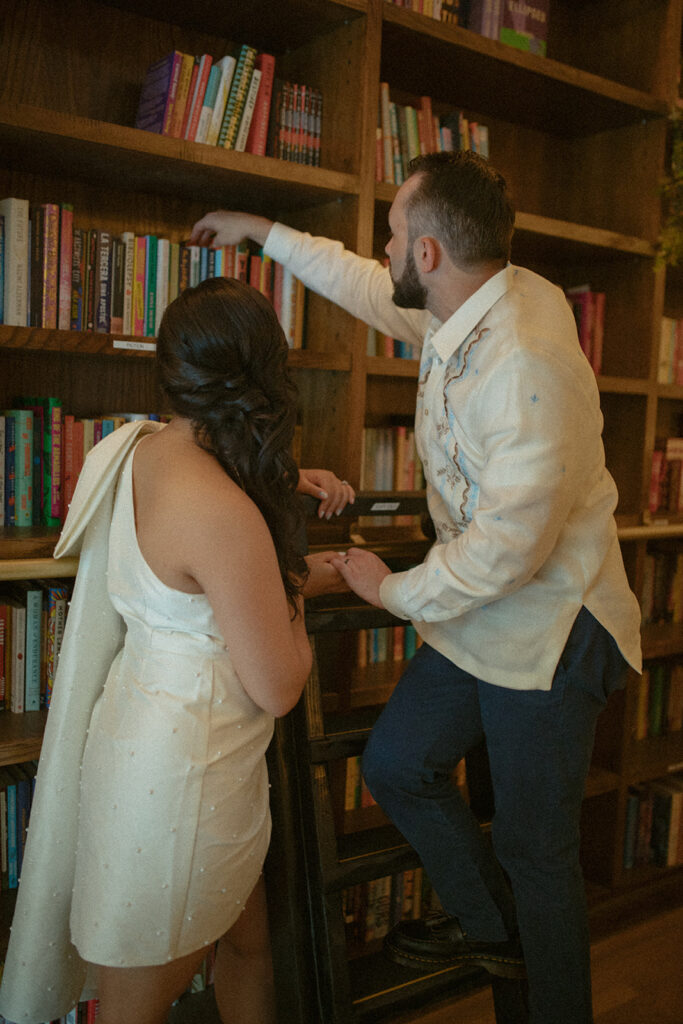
{"points": [[449, 335]]}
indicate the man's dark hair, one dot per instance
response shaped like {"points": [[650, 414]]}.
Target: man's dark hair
{"points": [[462, 201]]}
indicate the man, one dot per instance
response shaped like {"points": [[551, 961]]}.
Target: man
{"points": [[523, 604]]}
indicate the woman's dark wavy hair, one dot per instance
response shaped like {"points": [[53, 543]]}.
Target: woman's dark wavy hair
{"points": [[222, 363]]}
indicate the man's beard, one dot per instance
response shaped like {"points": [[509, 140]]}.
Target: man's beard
{"points": [[409, 293]]}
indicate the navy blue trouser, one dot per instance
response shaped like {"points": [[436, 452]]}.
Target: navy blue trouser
{"points": [[539, 747]]}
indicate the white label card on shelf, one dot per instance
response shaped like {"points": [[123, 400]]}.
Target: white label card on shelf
{"points": [[385, 506], [140, 346]]}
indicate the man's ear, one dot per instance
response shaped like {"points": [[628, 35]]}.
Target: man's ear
{"points": [[427, 253]]}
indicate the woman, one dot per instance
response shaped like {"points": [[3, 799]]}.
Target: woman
{"points": [[186, 535]]}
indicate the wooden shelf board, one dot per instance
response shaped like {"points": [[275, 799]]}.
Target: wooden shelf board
{"points": [[21, 543], [116, 155], [125, 346], [662, 639], [498, 80], [385, 366], [37, 568], [21, 736], [273, 27]]}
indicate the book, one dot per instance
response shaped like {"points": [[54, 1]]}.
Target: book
{"points": [[128, 240], [118, 271], [196, 100], [4, 651], [77, 278], [177, 115], [139, 278], [23, 465], [103, 254], [524, 25], [163, 257], [151, 253], [17, 652], [257, 138], [56, 597], [15, 214], [9, 471], [248, 111], [226, 66], [66, 217], [158, 92], [50, 266], [208, 104], [237, 96], [30, 596], [2, 269]]}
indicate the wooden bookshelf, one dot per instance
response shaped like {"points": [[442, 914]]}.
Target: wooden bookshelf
{"points": [[581, 136]]}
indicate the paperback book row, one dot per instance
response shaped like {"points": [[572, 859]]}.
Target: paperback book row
{"points": [[659, 704], [519, 23], [588, 307], [379, 344], [653, 832], [59, 276], [372, 908], [42, 450], [235, 102], [357, 794], [386, 643], [32, 618], [661, 596], [404, 132], [665, 495], [84, 1013], [670, 361], [17, 784], [389, 460]]}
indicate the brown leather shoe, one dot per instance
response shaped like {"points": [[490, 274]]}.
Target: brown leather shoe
{"points": [[439, 941]]}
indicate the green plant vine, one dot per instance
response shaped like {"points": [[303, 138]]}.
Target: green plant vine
{"points": [[670, 242]]}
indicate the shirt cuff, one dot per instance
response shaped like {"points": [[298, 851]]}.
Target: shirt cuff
{"points": [[280, 242], [390, 595]]}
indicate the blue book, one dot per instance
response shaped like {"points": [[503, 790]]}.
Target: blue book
{"points": [[23, 465], [152, 247], [10, 497], [31, 596], [12, 848]]}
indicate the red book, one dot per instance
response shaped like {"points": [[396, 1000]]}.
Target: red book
{"points": [[190, 95], [258, 132], [201, 77], [255, 271], [66, 237], [68, 479]]}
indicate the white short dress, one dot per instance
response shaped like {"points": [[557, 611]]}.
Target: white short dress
{"points": [[174, 818]]}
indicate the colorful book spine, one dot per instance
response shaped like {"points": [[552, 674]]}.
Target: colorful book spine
{"points": [[66, 219], [197, 99], [23, 466], [248, 111], [2, 469], [258, 132], [158, 93], [151, 252], [15, 213], [10, 470], [139, 286], [77, 275], [50, 268], [227, 66], [237, 96], [103, 282], [181, 98], [208, 104]]}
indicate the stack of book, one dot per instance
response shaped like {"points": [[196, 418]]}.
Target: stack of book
{"points": [[95, 280], [372, 908], [32, 617], [389, 461], [379, 344], [386, 643], [653, 832], [661, 595], [670, 362], [234, 103], [666, 477], [659, 705], [449, 12], [588, 308], [404, 132], [42, 449], [513, 22]]}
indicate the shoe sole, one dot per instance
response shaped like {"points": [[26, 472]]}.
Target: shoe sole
{"points": [[501, 966]]}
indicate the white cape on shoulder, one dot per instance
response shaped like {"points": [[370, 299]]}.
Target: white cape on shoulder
{"points": [[44, 977]]}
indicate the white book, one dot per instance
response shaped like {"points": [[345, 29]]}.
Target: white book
{"points": [[227, 65], [163, 255], [128, 239], [248, 112], [17, 241]]}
